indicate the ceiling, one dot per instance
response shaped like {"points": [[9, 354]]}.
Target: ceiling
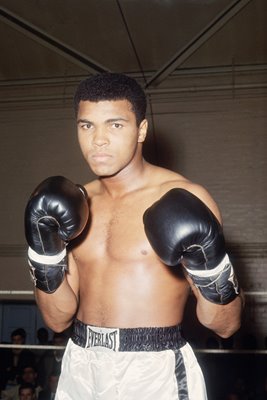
{"points": [[151, 39]]}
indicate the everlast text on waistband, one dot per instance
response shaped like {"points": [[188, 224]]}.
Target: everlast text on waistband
{"points": [[105, 338]]}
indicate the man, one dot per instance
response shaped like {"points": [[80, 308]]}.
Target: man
{"points": [[50, 391], [42, 336], [29, 377], [14, 360], [52, 359], [123, 285], [26, 392]]}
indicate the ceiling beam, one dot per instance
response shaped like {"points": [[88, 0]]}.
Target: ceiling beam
{"points": [[194, 44], [52, 43]]}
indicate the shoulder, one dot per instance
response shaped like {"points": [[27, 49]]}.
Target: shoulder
{"points": [[201, 193], [163, 179], [168, 180]]}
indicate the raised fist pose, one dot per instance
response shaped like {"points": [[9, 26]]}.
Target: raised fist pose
{"points": [[122, 293], [56, 213], [182, 229]]}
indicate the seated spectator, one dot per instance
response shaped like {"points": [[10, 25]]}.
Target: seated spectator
{"points": [[15, 359], [51, 359], [42, 336], [28, 377], [27, 392], [50, 392]]}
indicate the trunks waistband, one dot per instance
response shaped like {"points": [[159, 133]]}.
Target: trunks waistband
{"points": [[128, 339]]}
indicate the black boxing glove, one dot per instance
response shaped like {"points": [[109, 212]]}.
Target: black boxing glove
{"points": [[56, 213], [182, 229]]}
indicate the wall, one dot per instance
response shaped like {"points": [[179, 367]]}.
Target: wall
{"points": [[216, 137]]}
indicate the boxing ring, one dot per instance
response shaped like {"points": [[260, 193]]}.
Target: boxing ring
{"points": [[222, 367]]}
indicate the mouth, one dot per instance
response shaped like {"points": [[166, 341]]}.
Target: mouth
{"points": [[100, 157]]}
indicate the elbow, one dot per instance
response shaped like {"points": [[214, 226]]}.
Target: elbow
{"points": [[228, 331], [57, 326], [224, 323], [233, 323], [229, 327], [224, 330]]}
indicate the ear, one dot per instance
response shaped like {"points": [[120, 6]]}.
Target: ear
{"points": [[142, 131]]}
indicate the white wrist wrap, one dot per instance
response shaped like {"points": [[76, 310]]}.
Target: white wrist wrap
{"points": [[48, 260], [210, 272]]}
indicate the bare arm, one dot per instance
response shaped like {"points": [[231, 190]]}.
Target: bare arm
{"points": [[58, 308], [56, 213], [224, 320]]}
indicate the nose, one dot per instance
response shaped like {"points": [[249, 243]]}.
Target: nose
{"points": [[100, 137]]}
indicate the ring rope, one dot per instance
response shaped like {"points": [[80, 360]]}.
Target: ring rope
{"points": [[31, 346], [207, 351], [16, 292]]}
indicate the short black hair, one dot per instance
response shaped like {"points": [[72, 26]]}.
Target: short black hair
{"points": [[19, 332], [42, 334], [26, 386], [112, 86]]}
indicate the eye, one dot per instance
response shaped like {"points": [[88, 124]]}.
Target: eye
{"points": [[116, 125], [86, 125]]}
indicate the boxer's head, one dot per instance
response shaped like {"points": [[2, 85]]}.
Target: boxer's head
{"points": [[112, 86]]}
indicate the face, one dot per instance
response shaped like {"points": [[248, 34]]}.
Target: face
{"points": [[26, 394], [17, 339], [29, 375], [108, 135]]}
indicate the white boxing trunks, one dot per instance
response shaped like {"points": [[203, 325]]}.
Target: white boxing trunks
{"points": [[129, 364]]}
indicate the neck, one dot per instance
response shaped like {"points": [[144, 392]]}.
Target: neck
{"points": [[129, 179]]}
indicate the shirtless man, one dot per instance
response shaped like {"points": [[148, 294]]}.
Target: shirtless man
{"points": [[125, 279]]}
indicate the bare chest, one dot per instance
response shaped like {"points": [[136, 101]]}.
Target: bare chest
{"points": [[116, 231]]}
